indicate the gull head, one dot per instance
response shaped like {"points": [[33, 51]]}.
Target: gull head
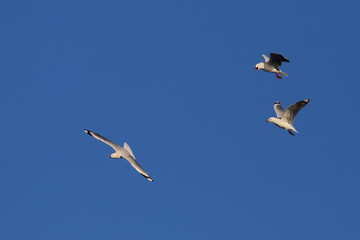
{"points": [[259, 66], [116, 155], [271, 119]]}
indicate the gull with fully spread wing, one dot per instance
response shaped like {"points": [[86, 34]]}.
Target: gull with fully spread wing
{"points": [[121, 152], [272, 64], [284, 119]]}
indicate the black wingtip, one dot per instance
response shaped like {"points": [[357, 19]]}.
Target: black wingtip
{"points": [[148, 177], [87, 131], [280, 57], [291, 132]]}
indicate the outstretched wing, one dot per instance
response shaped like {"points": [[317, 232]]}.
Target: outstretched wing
{"points": [[279, 110], [291, 111], [276, 59], [103, 139], [137, 167]]}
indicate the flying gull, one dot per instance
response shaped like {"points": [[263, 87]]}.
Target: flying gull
{"points": [[284, 119], [272, 64], [121, 152]]}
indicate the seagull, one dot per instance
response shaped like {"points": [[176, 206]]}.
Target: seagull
{"points": [[284, 119], [272, 64], [121, 152]]}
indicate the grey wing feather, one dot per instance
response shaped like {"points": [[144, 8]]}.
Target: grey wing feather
{"points": [[103, 139], [291, 111], [279, 110]]}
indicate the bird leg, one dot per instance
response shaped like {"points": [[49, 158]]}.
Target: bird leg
{"points": [[291, 132], [279, 77]]}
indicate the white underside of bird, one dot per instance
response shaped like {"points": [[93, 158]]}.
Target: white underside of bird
{"points": [[269, 68], [282, 124]]}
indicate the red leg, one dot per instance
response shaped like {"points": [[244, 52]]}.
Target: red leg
{"points": [[291, 132], [279, 77]]}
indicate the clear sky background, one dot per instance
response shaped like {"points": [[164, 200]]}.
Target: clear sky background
{"points": [[176, 80]]}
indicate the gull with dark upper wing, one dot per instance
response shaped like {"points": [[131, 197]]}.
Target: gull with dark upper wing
{"points": [[285, 118], [272, 64], [121, 152]]}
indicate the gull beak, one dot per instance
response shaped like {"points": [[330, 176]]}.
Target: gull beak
{"points": [[267, 121], [256, 68]]}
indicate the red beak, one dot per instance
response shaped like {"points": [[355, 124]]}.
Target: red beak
{"points": [[256, 68], [267, 121]]}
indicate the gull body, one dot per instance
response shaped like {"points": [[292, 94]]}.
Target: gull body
{"points": [[282, 124], [121, 152], [285, 118], [272, 64]]}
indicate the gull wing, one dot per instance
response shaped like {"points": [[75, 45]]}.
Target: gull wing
{"points": [[291, 111], [137, 166], [279, 110], [266, 58], [103, 139], [276, 59]]}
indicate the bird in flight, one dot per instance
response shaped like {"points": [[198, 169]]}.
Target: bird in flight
{"points": [[272, 64], [284, 119], [121, 152]]}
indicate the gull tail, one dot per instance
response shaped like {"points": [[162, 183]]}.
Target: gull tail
{"points": [[283, 73]]}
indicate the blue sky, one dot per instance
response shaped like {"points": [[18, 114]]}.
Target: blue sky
{"points": [[176, 80]]}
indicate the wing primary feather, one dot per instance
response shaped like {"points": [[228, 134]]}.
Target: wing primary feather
{"points": [[87, 131], [148, 178]]}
